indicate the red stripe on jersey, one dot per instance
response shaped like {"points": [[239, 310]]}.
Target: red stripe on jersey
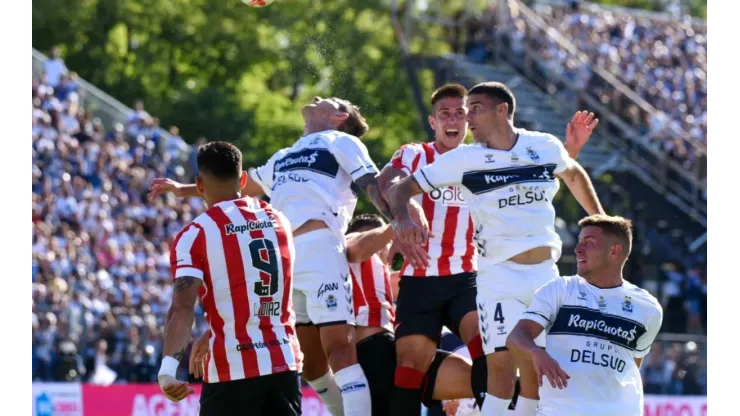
{"points": [[415, 163], [368, 287], [389, 292], [238, 287], [358, 298], [467, 260], [268, 334], [448, 241], [427, 205]]}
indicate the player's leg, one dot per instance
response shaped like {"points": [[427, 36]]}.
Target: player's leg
{"points": [[316, 369], [418, 326], [377, 357], [328, 288], [284, 396], [463, 319]]}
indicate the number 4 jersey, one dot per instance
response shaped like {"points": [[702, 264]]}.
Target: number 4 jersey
{"points": [[595, 335], [243, 251]]}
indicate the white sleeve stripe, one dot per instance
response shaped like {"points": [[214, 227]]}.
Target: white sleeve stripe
{"points": [[189, 272], [185, 244]]}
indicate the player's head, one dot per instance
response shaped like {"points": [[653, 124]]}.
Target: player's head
{"points": [[448, 118], [604, 244], [220, 174], [334, 113], [491, 106], [366, 222]]}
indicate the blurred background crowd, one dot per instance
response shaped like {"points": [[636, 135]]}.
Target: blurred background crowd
{"points": [[101, 279]]}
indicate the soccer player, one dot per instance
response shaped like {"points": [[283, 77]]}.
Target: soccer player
{"points": [[443, 291], [312, 184], [238, 258], [599, 328], [509, 179]]}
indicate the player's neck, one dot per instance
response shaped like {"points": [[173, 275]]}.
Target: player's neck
{"points": [[607, 280], [315, 127], [223, 197], [503, 139]]}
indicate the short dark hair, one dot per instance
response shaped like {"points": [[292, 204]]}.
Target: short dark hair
{"points": [[447, 91], [618, 227], [364, 221], [498, 92], [355, 124], [221, 159]]}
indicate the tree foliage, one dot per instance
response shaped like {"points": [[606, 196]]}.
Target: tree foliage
{"points": [[230, 72]]}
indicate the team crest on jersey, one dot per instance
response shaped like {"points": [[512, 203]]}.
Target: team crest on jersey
{"points": [[627, 304], [331, 303], [533, 155]]}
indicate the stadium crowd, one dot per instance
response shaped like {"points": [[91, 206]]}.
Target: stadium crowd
{"points": [[101, 278]]}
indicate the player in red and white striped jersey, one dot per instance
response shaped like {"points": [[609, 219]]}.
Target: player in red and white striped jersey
{"points": [[238, 258]]}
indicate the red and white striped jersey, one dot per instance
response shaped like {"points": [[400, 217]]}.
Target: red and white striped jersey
{"points": [[452, 250], [243, 250], [372, 295]]}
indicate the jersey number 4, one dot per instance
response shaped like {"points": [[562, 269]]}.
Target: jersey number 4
{"points": [[264, 259], [498, 314]]}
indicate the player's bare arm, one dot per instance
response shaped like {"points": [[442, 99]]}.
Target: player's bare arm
{"points": [[390, 176], [521, 342], [180, 318], [580, 185], [400, 194], [362, 245], [162, 186], [369, 183]]}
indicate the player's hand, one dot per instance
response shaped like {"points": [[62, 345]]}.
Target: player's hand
{"points": [[408, 232], [415, 254], [417, 216], [161, 186], [450, 407], [198, 356], [578, 132], [174, 389], [546, 366]]}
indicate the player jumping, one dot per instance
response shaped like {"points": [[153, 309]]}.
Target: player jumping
{"points": [[238, 257], [599, 328], [509, 180]]}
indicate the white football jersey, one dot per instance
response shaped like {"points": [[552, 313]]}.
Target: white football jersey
{"points": [[510, 193], [313, 178], [595, 335]]}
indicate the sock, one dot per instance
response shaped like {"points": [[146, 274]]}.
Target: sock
{"points": [[526, 407], [406, 398], [328, 391], [355, 391], [479, 372], [493, 406]]}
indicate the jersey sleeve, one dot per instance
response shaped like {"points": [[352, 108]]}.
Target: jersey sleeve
{"points": [[187, 256], [563, 161], [406, 158], [546, 302], [446, 170], [353, 157], [264, 174], [653, 326]]}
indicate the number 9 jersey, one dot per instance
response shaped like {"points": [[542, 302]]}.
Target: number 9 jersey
{"points": [[243, 250]]}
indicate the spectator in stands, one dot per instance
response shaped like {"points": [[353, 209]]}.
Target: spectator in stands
{"points": [[54, 67]]}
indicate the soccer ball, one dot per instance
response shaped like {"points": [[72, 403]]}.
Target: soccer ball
{"points": [[258, 3]]}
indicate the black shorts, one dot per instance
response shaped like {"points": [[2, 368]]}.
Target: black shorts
{"points": [[426, 304], [273, 395], [376, 355]]}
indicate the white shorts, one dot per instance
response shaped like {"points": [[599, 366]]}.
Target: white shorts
{"points": [[322, 289], [504, 292]]}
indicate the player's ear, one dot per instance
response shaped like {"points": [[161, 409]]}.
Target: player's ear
{"points": [[199, 184], [432, 122], [339, 117], [243, 180]]}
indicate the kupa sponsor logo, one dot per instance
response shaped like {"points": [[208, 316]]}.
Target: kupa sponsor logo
{"points": [[448, 196], [600, 325], [289, 161], [526, 198], [493, 179], [249, 226]]}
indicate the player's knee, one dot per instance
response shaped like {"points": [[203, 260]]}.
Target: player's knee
{"points": [[415, 351], [501, 372], [469, 326], [337, 341]]}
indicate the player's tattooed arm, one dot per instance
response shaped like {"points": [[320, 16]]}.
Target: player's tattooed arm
{"points": [[180, 316], [579, 183], [400, 194], [369, 183]]}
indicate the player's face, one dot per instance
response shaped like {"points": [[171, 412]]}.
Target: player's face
{"points": [[324, 109], [449, 122], [483, 116], [592, 251]]}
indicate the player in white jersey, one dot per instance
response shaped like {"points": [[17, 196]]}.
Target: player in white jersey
{"points": [[509, 179], [312, 184], [599, 328], [238, 258]]}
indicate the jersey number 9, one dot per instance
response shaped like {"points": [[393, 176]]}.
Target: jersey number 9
{"points": [[264, 259]]}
